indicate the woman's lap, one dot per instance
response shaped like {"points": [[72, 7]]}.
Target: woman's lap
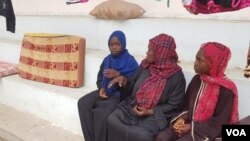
{"points": [[166, 135], [121, 125]]}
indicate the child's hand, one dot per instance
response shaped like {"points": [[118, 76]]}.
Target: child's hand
{"points": [[177, 126], [182, 129], [121, 80], [102, 94], [178, 122], [111, 73]]}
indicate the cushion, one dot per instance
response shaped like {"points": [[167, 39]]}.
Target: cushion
{"points": [[56, 59], [7, 69], [117, 9]]}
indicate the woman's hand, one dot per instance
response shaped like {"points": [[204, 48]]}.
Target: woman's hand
{"points": [[102, 93], [111, 73], [179, 126], [179, 121], [182, 129], [121, 80], [141, 112]]}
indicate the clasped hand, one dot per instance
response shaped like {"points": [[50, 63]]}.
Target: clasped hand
{"points": [[109, 73], [141, 111], [180, 127], [121, 80]]}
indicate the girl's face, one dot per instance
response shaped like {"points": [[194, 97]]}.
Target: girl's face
{"points": [[201, 63], [115, 46], [150, 55]]}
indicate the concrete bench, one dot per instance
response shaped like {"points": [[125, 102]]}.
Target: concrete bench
{"points": [[245, 120]]}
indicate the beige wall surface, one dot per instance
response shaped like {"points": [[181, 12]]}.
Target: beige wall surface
{"points": [[153, 8]]}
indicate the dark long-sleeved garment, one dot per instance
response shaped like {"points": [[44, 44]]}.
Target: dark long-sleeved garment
{"points": [[207, 130], [94, 111], [124, 125], [6, 10]]}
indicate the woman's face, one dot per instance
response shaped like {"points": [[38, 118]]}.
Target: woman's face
{"points": [[201, 63], [150, 55], [115, 46]]}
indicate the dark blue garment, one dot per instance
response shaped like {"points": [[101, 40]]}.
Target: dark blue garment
{"points": [[123, 63]]}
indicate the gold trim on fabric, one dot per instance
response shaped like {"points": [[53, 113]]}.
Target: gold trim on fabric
{"points": [[53, 40], [201, 89], [50, 57], [185, 112], [44, 35], [51, 74]]}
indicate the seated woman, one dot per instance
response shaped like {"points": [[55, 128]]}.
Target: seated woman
{"points": [[152, 94], [95, 107], [212, 99]]}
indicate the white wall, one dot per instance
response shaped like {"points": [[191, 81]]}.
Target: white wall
{"points": [[153, 8], [54, 16]]}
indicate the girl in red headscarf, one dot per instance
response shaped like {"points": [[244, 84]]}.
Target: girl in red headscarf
{"points": [[212, 99], [152, 95]]}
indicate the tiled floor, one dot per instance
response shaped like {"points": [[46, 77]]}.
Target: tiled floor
{"points": [[30, 128]]}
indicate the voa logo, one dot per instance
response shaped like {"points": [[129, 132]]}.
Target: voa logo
{"points": [[236, 132]]}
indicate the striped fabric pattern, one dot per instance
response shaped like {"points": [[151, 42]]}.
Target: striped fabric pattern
{"points": [[53, 59]]}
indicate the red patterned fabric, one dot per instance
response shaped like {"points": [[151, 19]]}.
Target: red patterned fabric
{"points": [[7, 69], [53, 59], [196, 7], [218, 56], [163, 67]]}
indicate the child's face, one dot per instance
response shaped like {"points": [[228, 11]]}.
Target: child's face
{"points": [[150, 55], [115, 46], [201, 63]]}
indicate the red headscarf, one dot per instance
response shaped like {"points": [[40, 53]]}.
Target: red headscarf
{"points": [[163, 67], [218, 56]]}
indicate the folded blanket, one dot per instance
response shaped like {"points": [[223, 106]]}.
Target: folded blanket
{"points": [[7, 69]]}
